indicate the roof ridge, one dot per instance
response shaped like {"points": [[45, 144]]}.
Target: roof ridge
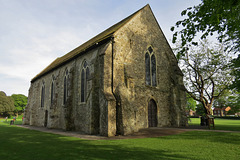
{"points": [[88, 44]]}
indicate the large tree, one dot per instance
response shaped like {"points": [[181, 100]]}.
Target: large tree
{"points": [[6, 103], [207, 73], [20, 102], [209, 17]]}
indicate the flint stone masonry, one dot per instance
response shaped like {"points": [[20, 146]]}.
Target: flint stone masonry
{"points": [[117, 99]]}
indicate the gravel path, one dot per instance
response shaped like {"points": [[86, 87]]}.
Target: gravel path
{"points": [[143, 133]]}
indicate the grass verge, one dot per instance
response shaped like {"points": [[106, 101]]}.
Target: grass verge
{"points": [[220, 124], [20, 143]]}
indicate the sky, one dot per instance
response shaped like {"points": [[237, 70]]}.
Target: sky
{"points": [[33, 33]]}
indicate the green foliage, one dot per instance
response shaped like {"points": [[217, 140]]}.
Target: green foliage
{"points": [[20, 102], [236, 73], [234, 103], [200, 110], [209, 17], [212, 16], [191, 103], [231, 99], [223, 100], [6, 103]]}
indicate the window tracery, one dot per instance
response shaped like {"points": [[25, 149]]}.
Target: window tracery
{"points": [[150, 67]]}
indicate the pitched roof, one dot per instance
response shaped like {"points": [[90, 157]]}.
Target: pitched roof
{"points": [[108, 33]]}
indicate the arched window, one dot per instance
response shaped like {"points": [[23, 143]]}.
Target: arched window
{"points": [[150, 68], [85, 74], [52, 90], [42, 95], [65, 87], [148, 72]]}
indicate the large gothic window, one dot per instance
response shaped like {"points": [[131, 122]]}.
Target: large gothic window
{"points": [[42, 95], [85, 73], [65, 87], [150, 68]]}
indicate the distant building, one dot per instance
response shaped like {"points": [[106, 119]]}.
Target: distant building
{"points": [[221, 111], [122, 80]]}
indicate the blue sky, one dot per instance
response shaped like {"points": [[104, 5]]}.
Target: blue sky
{"points": [[35, 32]]}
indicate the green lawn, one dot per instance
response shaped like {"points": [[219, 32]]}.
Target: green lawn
{"points": [[18, 120], [220, 124], [19, 143]]}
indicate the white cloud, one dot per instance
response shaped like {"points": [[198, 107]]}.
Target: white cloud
{"points": [[34, 33]]}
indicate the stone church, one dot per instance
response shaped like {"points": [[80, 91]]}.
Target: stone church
{"points": [[122, 80]]}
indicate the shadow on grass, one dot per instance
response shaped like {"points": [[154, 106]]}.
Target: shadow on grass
{"points": [[207, 136], [20, 143]]}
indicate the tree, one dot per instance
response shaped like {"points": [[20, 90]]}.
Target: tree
{"points": [[234, 103], [229, 98], [6, 103], [200, 109], [207, 73], [236, 73], [222, 101], [209, 17], [20, 102], [191, 103]]}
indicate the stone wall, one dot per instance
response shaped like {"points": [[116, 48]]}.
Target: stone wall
{"points": [[131, 43], [74, 115]]}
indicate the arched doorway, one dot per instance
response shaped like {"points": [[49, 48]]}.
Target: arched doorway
{"points": [[152, 113], [46, 118]]}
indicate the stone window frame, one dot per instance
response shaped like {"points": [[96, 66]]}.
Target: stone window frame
{"points": [[150, 80], [84, 77], [65, 86], [42, 93]]}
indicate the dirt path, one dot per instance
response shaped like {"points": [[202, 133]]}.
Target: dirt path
{"points": [[143, 133]]}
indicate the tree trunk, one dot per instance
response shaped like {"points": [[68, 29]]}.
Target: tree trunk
{"points": [[207, 108]]}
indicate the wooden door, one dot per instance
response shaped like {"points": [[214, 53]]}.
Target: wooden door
{"points": [[152, 114]]}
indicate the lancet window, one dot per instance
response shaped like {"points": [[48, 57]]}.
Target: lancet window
{"points": [[65, 87], [85, 74], [150, 68], [42, 95]]}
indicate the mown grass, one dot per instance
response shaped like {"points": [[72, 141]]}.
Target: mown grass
{"points": [[17, 122], [20, 143], [220, 124]]}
